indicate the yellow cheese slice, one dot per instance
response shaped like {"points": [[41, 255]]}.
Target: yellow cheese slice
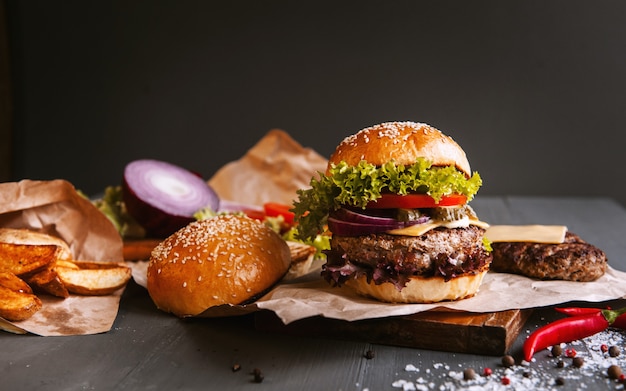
{"points": [[415, 230], [526, 233], [421, 229]]}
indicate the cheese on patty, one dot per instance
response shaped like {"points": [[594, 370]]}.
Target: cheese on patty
{"points": [[421, 229], [526, 233]]}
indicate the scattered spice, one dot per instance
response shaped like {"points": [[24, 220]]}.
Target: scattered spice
{"points": [[236, 367], [369, 355], [614, 351], [556, 351], [508, 361], [541, 373], [578, 362], [571, 353], [559, 381], [258, 375], [469, 374], [614, 372], [560, 364]]}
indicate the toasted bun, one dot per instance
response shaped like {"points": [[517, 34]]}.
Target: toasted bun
{"points": [[228, 259], [402, 142], [26, 236], [421, 289]]}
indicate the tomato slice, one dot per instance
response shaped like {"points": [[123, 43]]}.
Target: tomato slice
{"points": [[415, 201], [275, 209], [254, 214]]}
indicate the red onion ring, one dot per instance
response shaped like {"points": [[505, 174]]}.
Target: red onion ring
{"points": [[347, 222]]}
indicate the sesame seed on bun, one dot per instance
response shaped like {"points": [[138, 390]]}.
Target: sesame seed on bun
{"points": [[228, 259]]}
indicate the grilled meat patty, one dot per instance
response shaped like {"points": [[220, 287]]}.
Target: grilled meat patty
{"points": [[382, 257], [574, 259]]}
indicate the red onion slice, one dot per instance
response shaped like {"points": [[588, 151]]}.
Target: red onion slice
{"points": [[347, 222], [356, 217], [348, 228], [163, 197]]}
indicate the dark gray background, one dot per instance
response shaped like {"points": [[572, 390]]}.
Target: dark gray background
{"points": [[534, 91]]}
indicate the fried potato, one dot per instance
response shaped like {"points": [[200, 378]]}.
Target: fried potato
{"points": [[26, 258], [65, 263], [14, 283], [47, 281], [17, 305], [94, 278], [27, 236]]}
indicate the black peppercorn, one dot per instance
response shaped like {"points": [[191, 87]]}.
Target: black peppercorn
{"points": [[369, 355], [556, 351], [560, 381], [614, 351], [560, 364], [258, 375], [508, 361], [236, 367]]}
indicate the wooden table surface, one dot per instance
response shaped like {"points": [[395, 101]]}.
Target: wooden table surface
{"points": [[150, 350]]}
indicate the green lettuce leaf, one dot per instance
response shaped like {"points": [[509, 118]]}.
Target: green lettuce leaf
{"points": [[357, 185]]}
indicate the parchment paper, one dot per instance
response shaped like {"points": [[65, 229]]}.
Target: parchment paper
{"points": [[271, 171], [310, 295], [54, 207]]}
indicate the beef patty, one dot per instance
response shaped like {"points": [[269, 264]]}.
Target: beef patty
{"points": [[574, 259], [439, 252]]}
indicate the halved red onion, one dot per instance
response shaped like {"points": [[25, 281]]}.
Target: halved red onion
{"points": [[163, 197]]}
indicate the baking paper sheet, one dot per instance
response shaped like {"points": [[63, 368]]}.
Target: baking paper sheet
{"points": [[277, 161]]}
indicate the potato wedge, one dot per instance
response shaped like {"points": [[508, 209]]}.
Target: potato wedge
{"points": [[14, 283], [16, 305], [65, 263], [94, 278], [26, 258], [27, 236], [47, 281]]}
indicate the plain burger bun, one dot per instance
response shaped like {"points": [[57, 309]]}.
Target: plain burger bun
{"points": [[421, 289], [403, 143], [228, 259]]}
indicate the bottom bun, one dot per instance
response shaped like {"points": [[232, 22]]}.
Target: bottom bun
{"points": [[421, 290], [228, 259]]}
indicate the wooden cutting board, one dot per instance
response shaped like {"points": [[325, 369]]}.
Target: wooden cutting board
{"points": [[488, 334]]}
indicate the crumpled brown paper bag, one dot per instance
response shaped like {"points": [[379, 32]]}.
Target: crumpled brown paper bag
{"points": [[271, 171], [56, 208]]}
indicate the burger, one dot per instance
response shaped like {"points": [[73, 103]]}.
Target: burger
{"points": [[394, 199]]}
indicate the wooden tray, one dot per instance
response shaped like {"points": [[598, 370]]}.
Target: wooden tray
{"points": [[488, 334]]}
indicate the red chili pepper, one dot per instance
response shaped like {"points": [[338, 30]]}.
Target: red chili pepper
{"points": [[619, 322], [564, 330]]}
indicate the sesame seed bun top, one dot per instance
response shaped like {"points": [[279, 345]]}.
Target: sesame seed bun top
{"points": [[402, 142]]}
